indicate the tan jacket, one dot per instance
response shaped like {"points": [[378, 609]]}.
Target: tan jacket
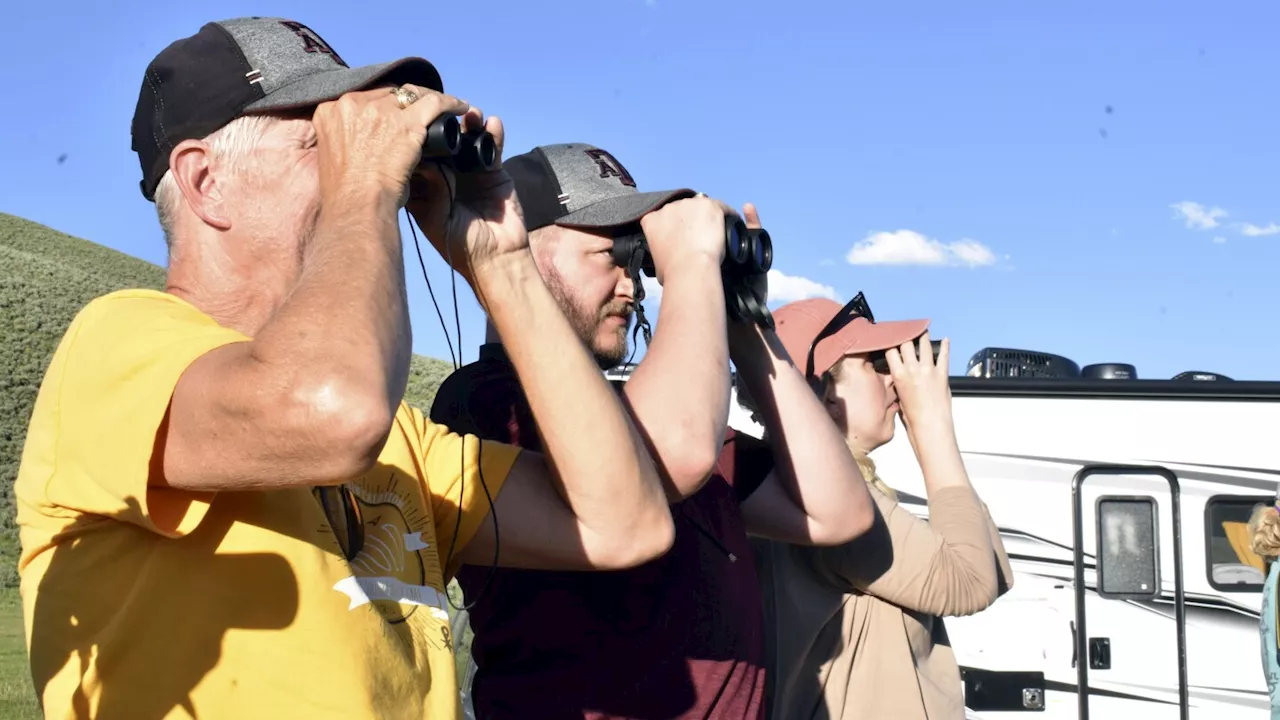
{"points": [[854, 632]]}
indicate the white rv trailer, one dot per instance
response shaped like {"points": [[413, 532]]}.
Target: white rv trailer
{"points": [[1023, 440]]}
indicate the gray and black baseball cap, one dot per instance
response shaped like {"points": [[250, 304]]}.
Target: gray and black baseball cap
{"points": [[579, 185], [243, 66]]}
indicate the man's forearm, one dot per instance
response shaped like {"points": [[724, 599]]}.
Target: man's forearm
{"points": [[679, 394], [606, 475], [347, 319], [814, 464], [311, 399]]}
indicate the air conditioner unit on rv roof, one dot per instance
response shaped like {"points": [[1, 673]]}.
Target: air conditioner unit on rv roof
{"points": [[994, 362]]}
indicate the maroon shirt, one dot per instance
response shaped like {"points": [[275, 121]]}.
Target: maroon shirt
{"points": [[679, 637]]}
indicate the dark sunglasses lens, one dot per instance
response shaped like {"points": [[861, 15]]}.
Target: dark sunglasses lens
{"points": [[331, 503], [355, 523]]}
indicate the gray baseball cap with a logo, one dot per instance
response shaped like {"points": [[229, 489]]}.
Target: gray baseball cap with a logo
{"points": [[237, 67], [580, 185]]}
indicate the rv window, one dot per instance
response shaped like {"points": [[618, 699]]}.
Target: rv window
{"points": [[1233, 566]]}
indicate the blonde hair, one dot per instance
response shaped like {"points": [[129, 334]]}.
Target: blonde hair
{"points": [[1264, 531], [868, 468]]}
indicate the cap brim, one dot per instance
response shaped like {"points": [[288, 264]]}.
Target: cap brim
{"points": [[623, 209], [326, 86], [860, 337]]}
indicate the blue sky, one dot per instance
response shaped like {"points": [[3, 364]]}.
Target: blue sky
{"points": [[1096, 179]]}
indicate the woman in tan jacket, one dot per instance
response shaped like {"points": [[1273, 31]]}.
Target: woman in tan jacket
{"points": [[855, 632]]}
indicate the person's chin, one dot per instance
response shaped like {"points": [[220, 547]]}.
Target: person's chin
{"points": [[612, 352], [887, 436]]}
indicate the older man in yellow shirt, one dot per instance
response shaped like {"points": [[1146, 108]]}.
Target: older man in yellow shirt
{"points": [[225, 508]]}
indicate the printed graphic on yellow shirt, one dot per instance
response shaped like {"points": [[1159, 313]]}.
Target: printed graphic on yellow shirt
{"points": [[389, 544]]}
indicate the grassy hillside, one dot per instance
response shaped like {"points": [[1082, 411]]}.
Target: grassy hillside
{"points": [[45, 278]]}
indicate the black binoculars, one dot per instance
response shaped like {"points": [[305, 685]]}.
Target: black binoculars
{"points": [[881, 364], [746, 252], [466, 152]]}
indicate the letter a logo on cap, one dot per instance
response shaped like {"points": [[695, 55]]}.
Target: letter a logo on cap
{"points": [[610, 167], [312, 42]]}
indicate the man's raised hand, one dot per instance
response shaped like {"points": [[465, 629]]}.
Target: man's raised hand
{"points": [[474, 219], [684, 233], [367, 143]]}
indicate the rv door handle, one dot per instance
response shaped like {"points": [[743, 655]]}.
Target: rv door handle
{"points": [[1074, 650]]}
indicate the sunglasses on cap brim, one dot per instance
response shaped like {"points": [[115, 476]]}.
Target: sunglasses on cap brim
{"points": [[855, 308]]}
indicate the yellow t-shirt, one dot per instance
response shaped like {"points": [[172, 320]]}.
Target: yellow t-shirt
{"points": [[145, 602]]}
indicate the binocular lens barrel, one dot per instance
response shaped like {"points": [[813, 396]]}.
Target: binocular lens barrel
{"points": [[761, 250], [466, 151], [478, 152], [737, 251], [747, 249], [881, 363], [443, 137], [748, 253]]}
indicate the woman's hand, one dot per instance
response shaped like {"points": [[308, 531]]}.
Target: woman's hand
{"points": [[923, 386], [924, 401]]}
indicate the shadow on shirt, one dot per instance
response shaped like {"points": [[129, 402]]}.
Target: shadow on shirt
{"points": [[148, 654]]}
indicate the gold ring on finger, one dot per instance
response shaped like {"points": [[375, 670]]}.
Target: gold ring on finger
{"points": [[405, 97]]}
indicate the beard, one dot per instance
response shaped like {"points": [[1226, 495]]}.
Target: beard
{"points": [[610, 352]]}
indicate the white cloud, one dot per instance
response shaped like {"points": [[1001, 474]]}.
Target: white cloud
{"points": [[785, 288], [972, 253], [1218, 240], [908, 247], [1197, 216], [826, 262], [1251, 230]]}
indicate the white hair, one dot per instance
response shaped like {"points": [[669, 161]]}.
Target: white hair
{"points": [[231, 143]]}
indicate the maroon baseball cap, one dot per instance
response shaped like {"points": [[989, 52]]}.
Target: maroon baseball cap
{"points": [[830, 331]]}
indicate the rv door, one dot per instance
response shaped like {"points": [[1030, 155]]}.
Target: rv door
{"points": [[1132, 628]]}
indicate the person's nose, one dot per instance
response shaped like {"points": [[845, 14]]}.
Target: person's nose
{"points": [[624, 288]]}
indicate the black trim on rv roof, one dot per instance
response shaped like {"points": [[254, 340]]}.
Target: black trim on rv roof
{"points": [[1249, 390]]}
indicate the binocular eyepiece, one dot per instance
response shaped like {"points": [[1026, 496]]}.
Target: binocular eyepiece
{"points": [[466, 152]]}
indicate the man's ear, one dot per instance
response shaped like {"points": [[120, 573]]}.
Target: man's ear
{"points": [[191, 164]]}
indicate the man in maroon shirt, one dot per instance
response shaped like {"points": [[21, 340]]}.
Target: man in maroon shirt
{"points": [[682, 636]]}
